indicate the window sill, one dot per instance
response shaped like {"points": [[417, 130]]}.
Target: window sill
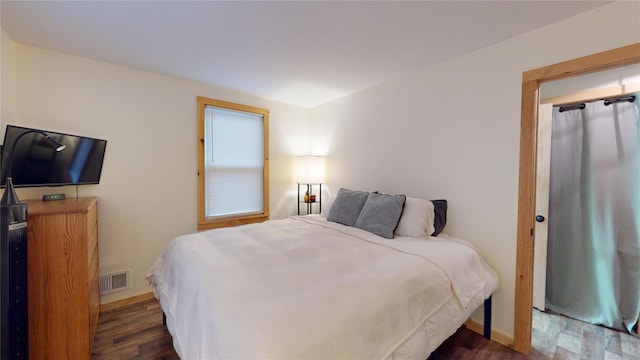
{"points": [[214, 224]]}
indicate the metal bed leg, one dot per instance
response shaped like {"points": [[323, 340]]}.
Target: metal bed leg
{"points": [[487, 318], [487, 323]]}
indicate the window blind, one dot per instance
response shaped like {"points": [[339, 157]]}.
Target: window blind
{"points": [[234, 162]]}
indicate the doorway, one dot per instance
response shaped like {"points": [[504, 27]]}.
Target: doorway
{"points": [[593, 176], [531, 81]]}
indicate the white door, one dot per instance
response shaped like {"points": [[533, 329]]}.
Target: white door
{"points": [[542, 205]]}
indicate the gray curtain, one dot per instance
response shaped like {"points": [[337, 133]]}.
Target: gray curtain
{"points": [[593, 255]]}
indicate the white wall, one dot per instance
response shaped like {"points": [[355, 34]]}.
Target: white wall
{"points": [[452, 131], [148, 190], [8, 79]]}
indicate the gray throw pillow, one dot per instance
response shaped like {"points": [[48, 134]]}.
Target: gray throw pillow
{"points": [[346, 207], [381, 214], [440, 215]]}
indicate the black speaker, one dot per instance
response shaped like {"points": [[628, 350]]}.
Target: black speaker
{"points": [[14, 320]]}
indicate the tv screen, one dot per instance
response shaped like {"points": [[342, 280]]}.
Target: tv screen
{"points": [[35, 163]]}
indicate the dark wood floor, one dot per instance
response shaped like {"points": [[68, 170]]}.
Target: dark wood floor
{"points": [[136, 332], [133, 332], [467, 345]]}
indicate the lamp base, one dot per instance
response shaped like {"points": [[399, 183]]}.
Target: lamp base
{"points": [[9, 197]]}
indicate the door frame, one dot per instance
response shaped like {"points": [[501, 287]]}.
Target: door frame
{"points": [[531, 80]]}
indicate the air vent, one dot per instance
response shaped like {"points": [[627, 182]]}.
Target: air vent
{"points": [[115, 281]]}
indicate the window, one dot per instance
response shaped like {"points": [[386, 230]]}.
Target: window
{"points": [[233, 164]]}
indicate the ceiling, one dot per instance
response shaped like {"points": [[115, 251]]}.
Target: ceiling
{"points": [[300, 52]]}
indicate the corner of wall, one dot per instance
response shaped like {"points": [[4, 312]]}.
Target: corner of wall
{"points": [[8, 79]]}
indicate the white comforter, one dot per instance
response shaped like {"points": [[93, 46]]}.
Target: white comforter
{"points": [[305, 288]]}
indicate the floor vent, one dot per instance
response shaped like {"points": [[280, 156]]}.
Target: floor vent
{"points": [[115, 281]]}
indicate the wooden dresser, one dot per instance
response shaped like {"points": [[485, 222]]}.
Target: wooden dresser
{"points": [[64, 299]]}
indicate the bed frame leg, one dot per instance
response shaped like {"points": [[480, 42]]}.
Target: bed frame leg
{"points": [[487, 318]]}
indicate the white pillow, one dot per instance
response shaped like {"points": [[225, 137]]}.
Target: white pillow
{"points": [[417, 218]]}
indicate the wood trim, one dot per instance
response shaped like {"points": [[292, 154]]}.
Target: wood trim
{"points": [[610, 59], [592, 95], [200, 121], [126, 302], [214, 224], [203, 222], [526, 210], [531, 80]]}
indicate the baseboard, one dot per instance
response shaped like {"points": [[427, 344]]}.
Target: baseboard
{"points": [[496, 336], [126, 302]]}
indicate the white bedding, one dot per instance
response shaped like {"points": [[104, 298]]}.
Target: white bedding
{"points": [[306, 288]]}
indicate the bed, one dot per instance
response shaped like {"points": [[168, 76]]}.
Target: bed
{"points": [[311, 287]]}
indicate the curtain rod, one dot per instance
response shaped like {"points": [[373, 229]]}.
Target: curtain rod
{"points": [[610, 101], [572, 107], [607, 102]]}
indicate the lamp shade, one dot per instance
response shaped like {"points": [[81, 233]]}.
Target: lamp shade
{"points": [[310, 169]]}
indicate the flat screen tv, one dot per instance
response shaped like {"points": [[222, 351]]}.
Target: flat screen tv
{"points": [[35, 163]]}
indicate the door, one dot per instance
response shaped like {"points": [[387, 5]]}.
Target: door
{"points": [[542, 205]]}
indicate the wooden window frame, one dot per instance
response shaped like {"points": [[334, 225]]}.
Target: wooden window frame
{"points": [[203, 222]]}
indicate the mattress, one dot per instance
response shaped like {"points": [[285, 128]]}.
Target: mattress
{"points": [[303, 287]]}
